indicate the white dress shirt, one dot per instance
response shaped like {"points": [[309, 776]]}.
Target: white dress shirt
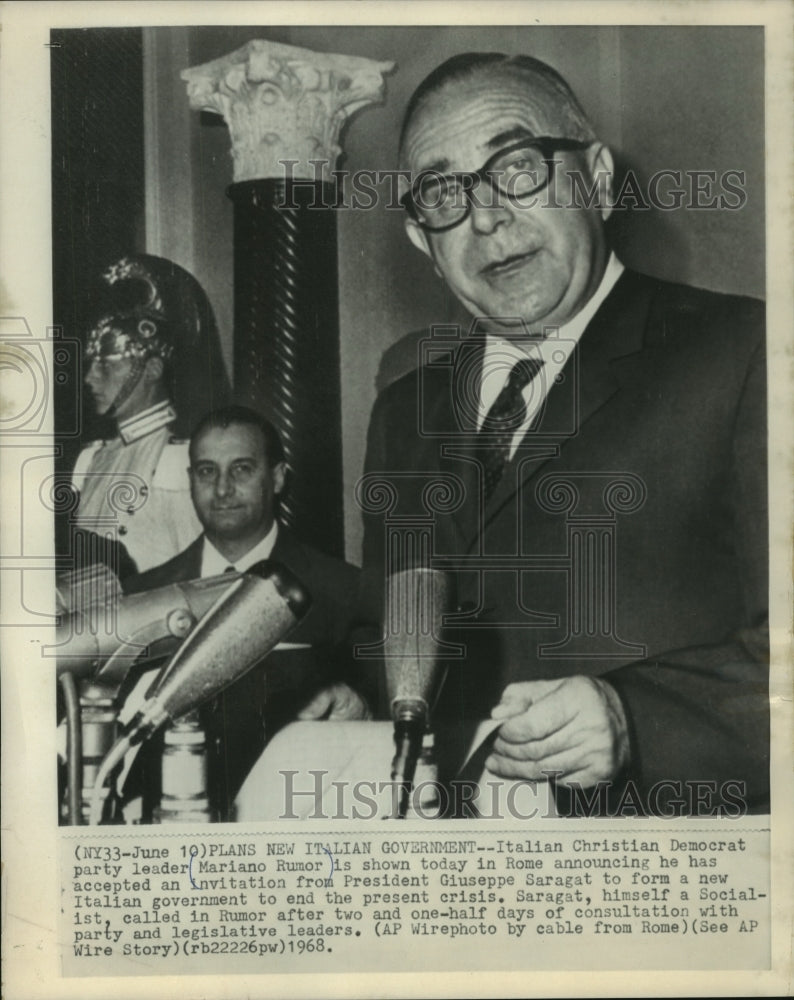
{"points": [[213, 563], [553, 349]]}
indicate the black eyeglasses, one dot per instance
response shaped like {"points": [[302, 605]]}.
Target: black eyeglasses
{"points": [[438, 202]]}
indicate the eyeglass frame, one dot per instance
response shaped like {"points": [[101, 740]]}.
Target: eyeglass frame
{"points": [[547, 146]]}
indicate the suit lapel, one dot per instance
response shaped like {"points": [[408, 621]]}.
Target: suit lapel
{"points": [[290, 552], [456, 415], [603, 360], [192, 563]]}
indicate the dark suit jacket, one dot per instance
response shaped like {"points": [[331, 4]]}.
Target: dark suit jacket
{"points": [[249, 712], [628, 536]]}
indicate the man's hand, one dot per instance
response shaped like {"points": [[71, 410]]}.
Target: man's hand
{"points": [[575, 726], [339, 701]]}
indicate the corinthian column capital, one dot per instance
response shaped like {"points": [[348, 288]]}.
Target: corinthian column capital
{"points": [[284, 103]]}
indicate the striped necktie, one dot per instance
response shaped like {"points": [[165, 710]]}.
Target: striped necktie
{"points": [[502, 421]]}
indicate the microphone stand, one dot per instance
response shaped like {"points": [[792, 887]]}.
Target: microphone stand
{"points": [[416, 601], [410, 725], [185, 795]]}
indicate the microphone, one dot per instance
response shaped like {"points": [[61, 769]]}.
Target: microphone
{"points": [[107, 636], [247, 621], [416, 600]]}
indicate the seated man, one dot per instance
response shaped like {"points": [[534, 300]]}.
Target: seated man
{"points": [[237, 473]]}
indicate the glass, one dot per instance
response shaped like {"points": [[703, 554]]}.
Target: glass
{"points": [[438, 202]]}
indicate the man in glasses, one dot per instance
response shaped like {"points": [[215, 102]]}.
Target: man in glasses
{"points": [[601, 436]]}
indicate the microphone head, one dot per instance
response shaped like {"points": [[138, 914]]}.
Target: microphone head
{"points": [[416, 600], [286, 583], [106, 638], [245, 624]]}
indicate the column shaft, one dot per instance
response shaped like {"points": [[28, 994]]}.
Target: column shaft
{"points": [[286, 343]]}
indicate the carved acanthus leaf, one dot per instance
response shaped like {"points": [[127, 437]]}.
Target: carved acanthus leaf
{"points": [[283, 103]]}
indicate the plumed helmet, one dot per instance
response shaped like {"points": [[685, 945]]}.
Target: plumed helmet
{"points": [[147, 307], [136, 325]]}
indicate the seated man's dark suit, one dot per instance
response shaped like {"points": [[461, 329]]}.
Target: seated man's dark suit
{"points": [[646, 469], [249, 712]]}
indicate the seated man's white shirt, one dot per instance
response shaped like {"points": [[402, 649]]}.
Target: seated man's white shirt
{"points": [[213, 563], [554, 349]]}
